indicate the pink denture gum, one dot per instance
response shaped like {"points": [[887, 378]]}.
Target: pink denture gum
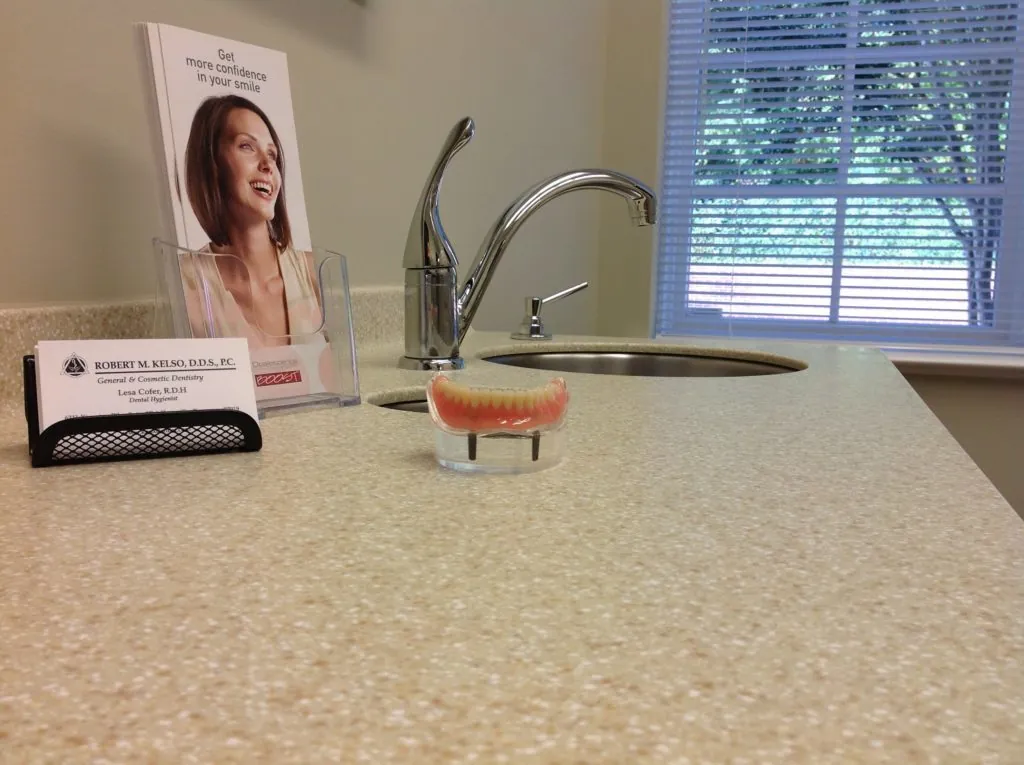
{"points": [[460, 408]]}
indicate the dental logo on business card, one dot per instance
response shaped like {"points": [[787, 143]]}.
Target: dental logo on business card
{"points": [[74, 366]]}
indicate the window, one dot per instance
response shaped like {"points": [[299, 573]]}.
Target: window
{"points": [[843, 168]]}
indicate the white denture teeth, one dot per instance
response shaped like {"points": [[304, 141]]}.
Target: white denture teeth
{"points": [[508, 398]]}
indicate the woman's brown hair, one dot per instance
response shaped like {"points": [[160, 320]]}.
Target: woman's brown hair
{"points": [[204, 181]]}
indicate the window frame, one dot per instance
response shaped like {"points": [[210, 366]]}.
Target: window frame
{"points": [[683, 80]]}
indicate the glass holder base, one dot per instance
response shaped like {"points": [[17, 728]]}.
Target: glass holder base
{"points": [[502, 452]]}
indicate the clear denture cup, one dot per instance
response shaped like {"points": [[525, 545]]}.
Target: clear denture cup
{"points": [[498, 430]]}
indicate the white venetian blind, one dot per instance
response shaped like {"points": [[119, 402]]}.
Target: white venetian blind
{"points": [[843, 168]]}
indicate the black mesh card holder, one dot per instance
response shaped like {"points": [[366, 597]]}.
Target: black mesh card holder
{"points": [[134, 436]]}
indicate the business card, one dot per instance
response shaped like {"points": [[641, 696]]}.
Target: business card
{"points": [[82, 378]]}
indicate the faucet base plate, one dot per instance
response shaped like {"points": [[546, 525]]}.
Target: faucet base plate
{"points": [[431, 365]]}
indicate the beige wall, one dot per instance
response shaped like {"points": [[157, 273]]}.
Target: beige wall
{"points": [[376, 86], [987, 418], [631, 143]]}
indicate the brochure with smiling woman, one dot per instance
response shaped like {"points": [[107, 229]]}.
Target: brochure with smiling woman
{"points": [[235, 255]]}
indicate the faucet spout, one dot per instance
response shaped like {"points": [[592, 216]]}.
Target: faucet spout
{"points": [[437, 313], [642, 207]]}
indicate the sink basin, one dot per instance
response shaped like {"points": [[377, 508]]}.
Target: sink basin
{"points": [[407, 406], [411, 399], [650, 363]]}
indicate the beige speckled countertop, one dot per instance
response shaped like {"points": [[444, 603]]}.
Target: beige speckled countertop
{"points": [[784, 569]]}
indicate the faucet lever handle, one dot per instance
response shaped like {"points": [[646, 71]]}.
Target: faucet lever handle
{"points": [[532, 327], [427, 245]]}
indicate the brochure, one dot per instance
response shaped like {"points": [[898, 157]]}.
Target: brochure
{"points": [[225, 140]]}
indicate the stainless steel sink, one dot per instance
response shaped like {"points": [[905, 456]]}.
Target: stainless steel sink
{"points": [[647, 363]]}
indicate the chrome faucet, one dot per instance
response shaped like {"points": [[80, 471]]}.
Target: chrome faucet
{"points": [[437, 313]]}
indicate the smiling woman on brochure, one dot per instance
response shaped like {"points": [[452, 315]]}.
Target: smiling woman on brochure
{"points": [[234, 177]]}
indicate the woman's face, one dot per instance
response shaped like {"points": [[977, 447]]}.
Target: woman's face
{"points": [[248, 155]]}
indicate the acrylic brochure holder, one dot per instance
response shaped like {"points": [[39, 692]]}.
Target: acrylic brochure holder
{"points": [[300, 334], [314, 365]]}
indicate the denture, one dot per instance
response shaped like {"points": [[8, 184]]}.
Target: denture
{"points": [[480, 410]]}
